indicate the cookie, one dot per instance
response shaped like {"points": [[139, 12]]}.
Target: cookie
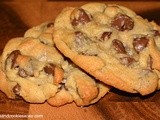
{"points": [[112, 43], [35, 70], [77, 85]]}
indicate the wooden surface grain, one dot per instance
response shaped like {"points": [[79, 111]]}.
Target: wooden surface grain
{"points": [[16, 16]]}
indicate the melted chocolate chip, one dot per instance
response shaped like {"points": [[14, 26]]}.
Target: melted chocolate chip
{"points": [[50, 25], [122, 22], [16, 89], [79, 38], [156, 33], [105, 35], [22, 73], [49, 69], [127, 61], [140, 43], [78, 34], [13, 56], [118, 46], [82, 18]]}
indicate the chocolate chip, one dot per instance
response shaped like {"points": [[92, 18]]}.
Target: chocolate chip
{"points": [[122, 22], [79, 34], [22, 73], [50, 25], [156, 33], [80, 17], [127, 61], [49, 69], [79, 38], [140, 43], [16, 89], [105, 35], [118, 46], [80, 44], [13, 56]]}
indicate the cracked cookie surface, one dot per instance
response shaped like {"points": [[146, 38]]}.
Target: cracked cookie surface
{"points": [[112, 43]]}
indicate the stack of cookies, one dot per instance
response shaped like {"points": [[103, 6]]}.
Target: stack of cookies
{"points": [[81, 55]]}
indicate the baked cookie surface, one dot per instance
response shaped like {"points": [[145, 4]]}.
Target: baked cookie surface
{"points": [[111, 43], [32, 68]]}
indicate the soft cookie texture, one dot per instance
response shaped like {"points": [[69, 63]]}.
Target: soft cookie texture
{"points": [[32, 68], [76, 86], [111, 43]]}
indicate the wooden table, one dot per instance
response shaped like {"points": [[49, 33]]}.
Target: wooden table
{"points": [[16, 16]]}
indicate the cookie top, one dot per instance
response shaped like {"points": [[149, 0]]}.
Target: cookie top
{"points": [[35, 70], [33, 67], [111, 43], [43, 32], [76, 86]]}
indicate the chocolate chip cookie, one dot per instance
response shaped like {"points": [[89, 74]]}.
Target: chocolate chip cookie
{"points": [[76, 86], [40, 73], [112, 43], [32, 68]]}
